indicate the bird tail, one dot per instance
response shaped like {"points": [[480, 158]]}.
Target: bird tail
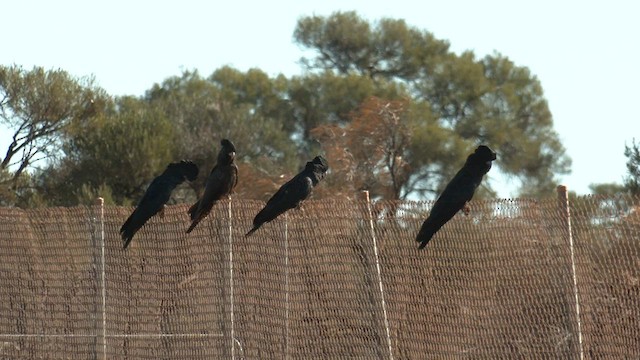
{"points": [[425, 234], [127, 240], [252, 230], [127, 232], [197, 217], [193, 209], [262, 217], [423, 239], [194, 223]]}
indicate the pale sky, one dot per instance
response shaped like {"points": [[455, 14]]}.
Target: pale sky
{"points": [[586, 54]]}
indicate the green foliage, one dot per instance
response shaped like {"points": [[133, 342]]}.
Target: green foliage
{"points": [[349, 45], [632, 180], [450, 103], [608, 189], [436, 153], [521, 124], [320, 98], [37, 106], [266, 95], [470, 101], [17, 191], [7, 194], [115, 155], [248, 108]]}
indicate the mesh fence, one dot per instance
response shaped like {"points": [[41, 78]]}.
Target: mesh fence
{"points": [[336, 279]]}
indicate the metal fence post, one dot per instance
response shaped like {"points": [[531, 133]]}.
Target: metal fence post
{"points": [[379, 272], [286, 286], [231, 309], [563, 199], [97, 239]]}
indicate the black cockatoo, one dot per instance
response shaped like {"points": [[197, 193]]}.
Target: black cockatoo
{"points": [[157, 195], [457, 193], [293, 192], [220, 183]]}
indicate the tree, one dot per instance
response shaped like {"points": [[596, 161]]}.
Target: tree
{"points": [[520, 123], [329, 98], [114, 155], [38, 105], [469, 101], [607, 189], [348, 44], [369, 153], [396, 109], [248, 108], [632, 180]]}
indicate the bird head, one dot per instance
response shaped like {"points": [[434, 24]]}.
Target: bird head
{"points": [[227, 152], [481, 159], [485, 153], [320, 163], [190, 169], [319, 167], [186, 168]]}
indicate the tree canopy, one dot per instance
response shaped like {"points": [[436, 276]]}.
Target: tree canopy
{"points": [[632, 180], [37, 106], [393, 109], [470, 101]]}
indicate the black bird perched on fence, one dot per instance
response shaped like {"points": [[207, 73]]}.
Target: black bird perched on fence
{"points": [[156, 196], [293, 192], [457, 193], [220, 183]]}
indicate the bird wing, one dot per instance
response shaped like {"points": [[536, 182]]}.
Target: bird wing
{"points": [[220, 182], [214, 189], [217, 186], [457, 192], [287, 197], [152, 202]]}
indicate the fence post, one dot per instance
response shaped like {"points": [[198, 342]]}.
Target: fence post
{"points": [[231, 309], [286, 286], [563, 200], [365, 195], [98, 263]]}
